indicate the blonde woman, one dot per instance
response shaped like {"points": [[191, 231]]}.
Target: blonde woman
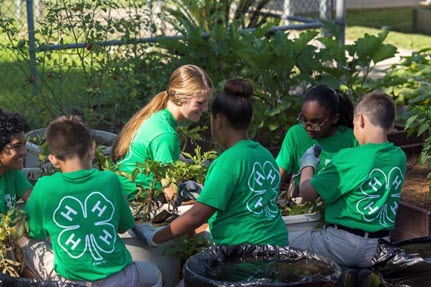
{"points": [[151, 132]]}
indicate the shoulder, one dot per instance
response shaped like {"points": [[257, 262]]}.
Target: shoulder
{"points": [[296, 129], [106, 174], [14, 173]]}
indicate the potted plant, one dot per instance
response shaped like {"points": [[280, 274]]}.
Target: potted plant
{"points": [[169, 256], [13, 226]]}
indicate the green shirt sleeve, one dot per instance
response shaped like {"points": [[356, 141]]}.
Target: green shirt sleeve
{"points": [[33, 207], [165, 148], [22, 183]]}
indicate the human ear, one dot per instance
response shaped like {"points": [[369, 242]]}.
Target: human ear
{"points": [[336, 118], [91, 150], [361, 121], [55, 161]]}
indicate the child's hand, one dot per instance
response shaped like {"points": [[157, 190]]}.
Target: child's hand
{"points": [[146, 232], [309, 158]]}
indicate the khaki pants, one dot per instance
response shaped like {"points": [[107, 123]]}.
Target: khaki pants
{"points": [[39, 258]]}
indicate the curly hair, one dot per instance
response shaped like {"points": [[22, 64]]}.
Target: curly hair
{"points": [[10, 124]]}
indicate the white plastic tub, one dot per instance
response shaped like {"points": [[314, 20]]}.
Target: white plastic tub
{"points": [[301, 222], [169, 265]]}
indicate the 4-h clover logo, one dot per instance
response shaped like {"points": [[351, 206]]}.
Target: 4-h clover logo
{"points": [[382, 194], [264, 181], [95, 214]]}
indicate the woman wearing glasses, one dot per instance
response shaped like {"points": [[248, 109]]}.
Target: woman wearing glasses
{"points": [[326, 119]]}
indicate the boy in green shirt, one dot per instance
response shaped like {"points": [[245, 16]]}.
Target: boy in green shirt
{"points": [[81, 209], [13, 182], [361, 188]]}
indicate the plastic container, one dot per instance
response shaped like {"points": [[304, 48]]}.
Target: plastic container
{"points": [[169, 265], [254, 265], [301, 222], [8, 281]]}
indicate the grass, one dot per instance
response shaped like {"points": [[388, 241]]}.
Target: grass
{"points": [[398, 20]]}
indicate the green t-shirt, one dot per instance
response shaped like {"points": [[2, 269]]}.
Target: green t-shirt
{"points": [[82, 212], [13, 184], [243, 184], [361, 186], [156, 139], [297, 141]]}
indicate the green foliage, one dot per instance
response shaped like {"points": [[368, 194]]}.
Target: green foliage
{"points": [[13, 226], [162, 175], [408, 82], [208, 13], [280, 67], [187, 246], [420, 122], [351, 64], [94, 79]]}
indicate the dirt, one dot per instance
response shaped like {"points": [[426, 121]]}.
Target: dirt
{"points": [[416, 186]]}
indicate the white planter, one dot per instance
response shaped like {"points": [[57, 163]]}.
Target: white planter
{"points": [[302, 222], [169, 265]]}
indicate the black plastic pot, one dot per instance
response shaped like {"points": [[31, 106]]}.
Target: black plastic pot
{"points": [[404, 263], [8, 281], [253, 265]]}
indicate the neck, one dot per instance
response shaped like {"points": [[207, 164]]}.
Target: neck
{"points": [[234, 136], [375, 136], [331, 131], [74, 164], [175, 111]]}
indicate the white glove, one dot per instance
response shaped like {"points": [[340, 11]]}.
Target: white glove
{"points": [[146, 232], [309, 158]]}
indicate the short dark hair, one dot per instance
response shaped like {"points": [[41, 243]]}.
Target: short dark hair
{"points": [[68, 136], [379, 108], [10, 124], [235, 102]]}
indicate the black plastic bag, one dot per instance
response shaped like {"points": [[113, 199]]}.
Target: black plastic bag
{"points": [[404, 263], [254, 265], [8, 281]]}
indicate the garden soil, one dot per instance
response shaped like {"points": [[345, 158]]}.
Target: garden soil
{"points": [[416, 186]]}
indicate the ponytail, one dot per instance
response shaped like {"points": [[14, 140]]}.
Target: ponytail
{"points": [[124, 139], [345, 109]]}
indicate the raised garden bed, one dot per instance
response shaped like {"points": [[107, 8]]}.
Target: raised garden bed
{"points": [[414, 210]]}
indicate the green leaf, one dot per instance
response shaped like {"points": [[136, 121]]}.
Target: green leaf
{"points": [[410, 120], [423, 128]]}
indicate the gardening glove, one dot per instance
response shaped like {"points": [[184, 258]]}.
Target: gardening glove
{"points": [[188, 190], [311, 157], [146, 232]]}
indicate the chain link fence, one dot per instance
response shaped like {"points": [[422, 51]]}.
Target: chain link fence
{"points": [[50, 48]]}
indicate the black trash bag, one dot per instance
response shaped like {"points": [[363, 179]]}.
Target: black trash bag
{"points": [[254, 265], [404, 263], [8, 281]]}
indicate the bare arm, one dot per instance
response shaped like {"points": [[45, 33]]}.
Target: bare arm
{"points": [[308, 193], [186, 223], [283, 174], [26, 194]]}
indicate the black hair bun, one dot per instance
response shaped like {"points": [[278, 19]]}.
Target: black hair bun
{"points": [[238, 87]]}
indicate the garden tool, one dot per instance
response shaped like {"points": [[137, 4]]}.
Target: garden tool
{"points": [[188, 190], [292, 186]]}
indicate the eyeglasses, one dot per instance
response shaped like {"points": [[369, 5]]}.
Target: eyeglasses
{"points": [[315, 127]]}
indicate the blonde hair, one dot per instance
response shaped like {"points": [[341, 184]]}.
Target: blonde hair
{"points": [[186, 82]]}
